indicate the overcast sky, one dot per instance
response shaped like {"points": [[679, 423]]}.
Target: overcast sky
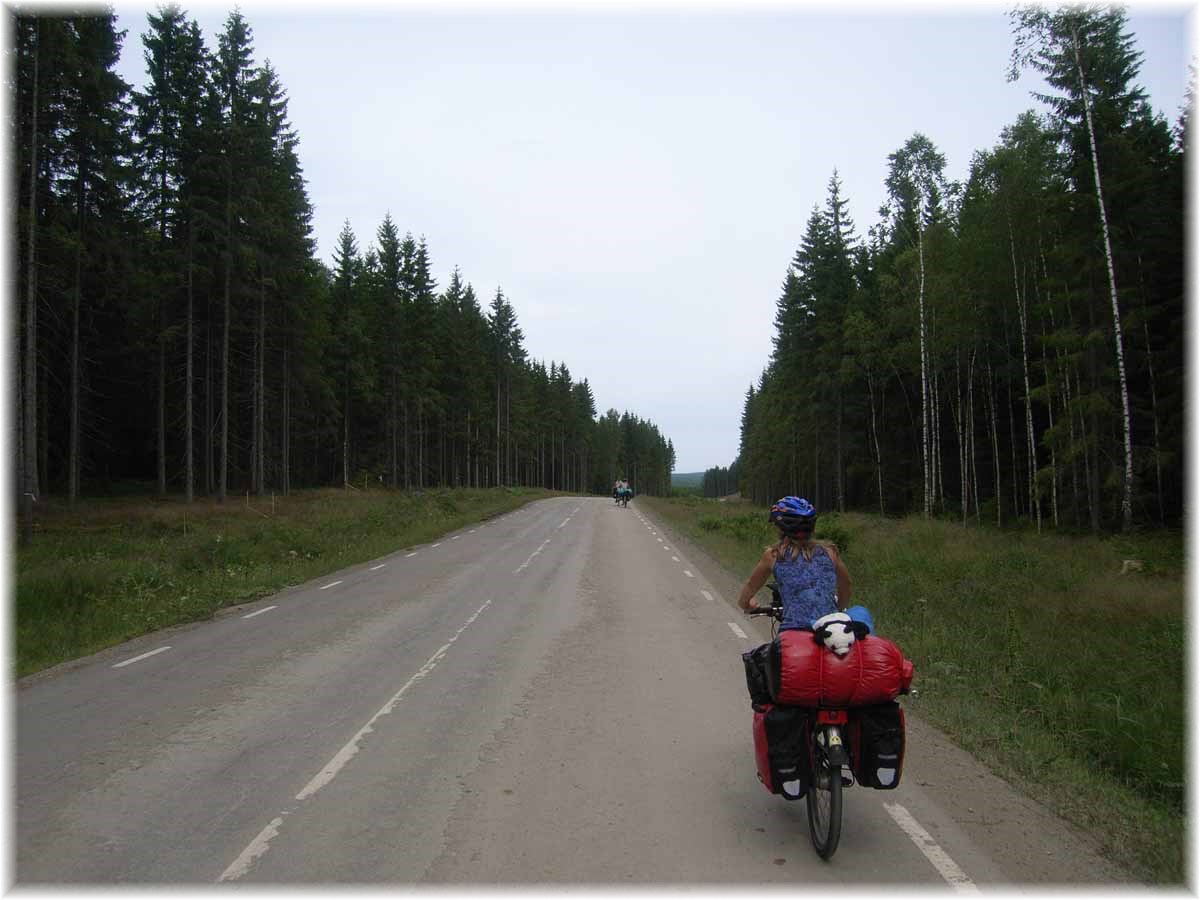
{"points": [[637, 182]]}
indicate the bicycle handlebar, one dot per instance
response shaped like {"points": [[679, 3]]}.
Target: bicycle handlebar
{"points": [[773, 611]]}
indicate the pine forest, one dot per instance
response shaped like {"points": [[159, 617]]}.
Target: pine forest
{"points": [[176, 329], [1004, 349], [1008, 349]]}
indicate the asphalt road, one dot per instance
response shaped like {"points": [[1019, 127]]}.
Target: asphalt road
{"points": [[553, 697]]}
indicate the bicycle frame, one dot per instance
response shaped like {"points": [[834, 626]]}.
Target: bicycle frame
{"points": [[829, 755]]}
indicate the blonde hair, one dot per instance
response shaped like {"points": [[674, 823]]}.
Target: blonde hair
{"points": [[788, 543]]}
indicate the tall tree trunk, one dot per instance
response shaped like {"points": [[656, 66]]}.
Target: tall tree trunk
{"points": [[189, 423], [210, 478], [971, 434], [1127, 495], [346, 437], [960, 431], [497, 427], [393, 418], [875, 441], [285, 455], [995, 442], [1162, 515], [1050, 394], [223, 487], [255, 404], [1035, 500], [928, 502], [73, 453], [29, 393], [839, 485], [261, 460]]}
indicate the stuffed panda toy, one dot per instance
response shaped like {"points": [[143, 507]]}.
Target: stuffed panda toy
{"points": [[837, 631]]}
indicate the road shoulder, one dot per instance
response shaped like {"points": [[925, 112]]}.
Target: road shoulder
{"points": [[1024, 839]]}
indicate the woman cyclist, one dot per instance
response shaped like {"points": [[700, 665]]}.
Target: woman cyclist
{"points": [[812, 579]]}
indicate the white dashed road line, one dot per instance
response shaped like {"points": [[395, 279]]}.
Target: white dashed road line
{"points": [[688, 574], [378, 567], [410, 555], [737, 631], [947, 868], [260, 612], [438, 544], [262, 842], [517, 571], [707, 596], [140, 658], [675, 558], [331, 584]]}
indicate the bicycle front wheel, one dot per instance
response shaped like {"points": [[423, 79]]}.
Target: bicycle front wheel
{"points": [[825, 805]]}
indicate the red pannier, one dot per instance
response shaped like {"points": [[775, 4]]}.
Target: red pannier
{"points": [[810, 674], [782, 738]]}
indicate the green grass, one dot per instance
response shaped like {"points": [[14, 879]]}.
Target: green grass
{"points": [[114, 569], [1032, 652]]}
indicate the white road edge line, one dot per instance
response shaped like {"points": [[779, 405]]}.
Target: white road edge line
{"points": [[378, 567], [262, 842], [941, 860], [737, 630], [260, 612], [331, 584], [253, 851], [140, 658]]}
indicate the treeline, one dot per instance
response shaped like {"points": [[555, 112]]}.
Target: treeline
{"points": [[720, 481], [174, 324], [1008, 348]]}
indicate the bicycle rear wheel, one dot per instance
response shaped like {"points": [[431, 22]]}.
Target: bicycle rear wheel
{"points": [[824, 802]]}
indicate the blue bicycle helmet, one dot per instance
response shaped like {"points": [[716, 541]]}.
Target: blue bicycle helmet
{"points": [[793, 515]]}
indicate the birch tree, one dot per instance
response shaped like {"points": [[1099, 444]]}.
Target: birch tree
{"points": [[914, 178], [1068, 47]]}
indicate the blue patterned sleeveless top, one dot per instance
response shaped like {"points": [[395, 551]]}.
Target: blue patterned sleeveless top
{"points": [[807, 587]]}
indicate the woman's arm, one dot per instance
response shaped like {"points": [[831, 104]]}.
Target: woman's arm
{"points": [[844, 586], [757, 579]]}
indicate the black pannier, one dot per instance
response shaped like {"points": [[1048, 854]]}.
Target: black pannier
{"points": [[782, 744], [878, 744], [762, 672]]}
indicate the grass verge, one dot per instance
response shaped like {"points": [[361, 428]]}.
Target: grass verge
{"points": [[1031, 651], [114, 569]]}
